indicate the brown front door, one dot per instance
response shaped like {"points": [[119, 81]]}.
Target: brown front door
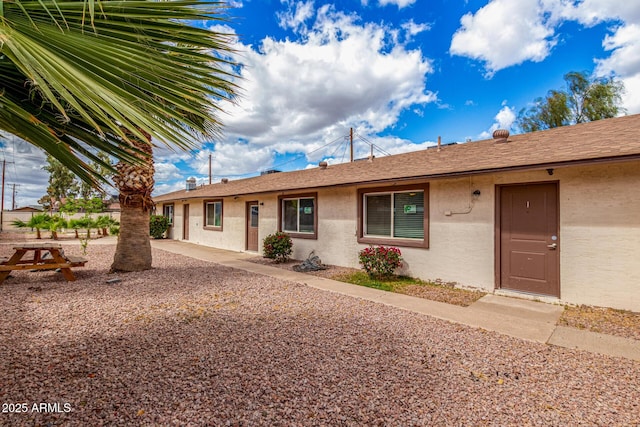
{"points": [[185, 222], [529, 239], [252, 226]]}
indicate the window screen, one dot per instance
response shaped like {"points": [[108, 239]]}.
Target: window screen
{"points": [[399, 215], [408, 215], [378, 215]]}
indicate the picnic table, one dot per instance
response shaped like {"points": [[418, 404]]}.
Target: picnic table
{"points": [[48, 256]]}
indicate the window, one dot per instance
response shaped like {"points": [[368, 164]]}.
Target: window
{"points": [[395, 217], [167, 210], [298, 215], [213, 214]]}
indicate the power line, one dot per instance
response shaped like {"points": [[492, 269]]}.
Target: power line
{"points": [[371, 144], [306, 154]]}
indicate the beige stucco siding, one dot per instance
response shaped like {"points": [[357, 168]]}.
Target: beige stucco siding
{"points": [[336, 243], [600, 232], [599, 239], [460, 234]]}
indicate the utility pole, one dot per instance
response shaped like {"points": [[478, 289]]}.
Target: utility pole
{"points": [[13, 199], [209, 169], [351, 141]]}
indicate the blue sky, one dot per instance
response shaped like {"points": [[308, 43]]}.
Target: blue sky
{"points": [[400, 72]]}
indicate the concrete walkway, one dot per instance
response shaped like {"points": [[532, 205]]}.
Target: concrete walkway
{"points": [[529, 320]]}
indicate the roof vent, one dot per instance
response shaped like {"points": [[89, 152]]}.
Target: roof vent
{"points": [[191, 183], [269, 171], [501, 135], [224, 180], [323, 165]]}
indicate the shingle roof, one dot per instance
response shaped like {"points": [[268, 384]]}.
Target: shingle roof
{"points": [[603, 140]]}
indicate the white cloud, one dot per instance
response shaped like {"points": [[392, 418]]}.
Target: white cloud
{"points": [[295, 16], [339, 74], [399, 3], [23, 168], [508, 32], [167, 172], [505, 33], [233, 159], [505, 118], [592, 12], [624, 62], [413, 28], [631, 98]]}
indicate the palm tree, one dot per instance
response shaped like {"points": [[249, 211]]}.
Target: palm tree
{"points": [[39, 221], [57, 223], [75, 225], [103, 222], [80, 78]]}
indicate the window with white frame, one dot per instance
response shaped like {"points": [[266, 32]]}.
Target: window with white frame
{"points": [[298, 215], [213, 214], [394, 217]]}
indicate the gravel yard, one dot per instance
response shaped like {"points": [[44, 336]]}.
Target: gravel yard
{"points": [[196, 343]]}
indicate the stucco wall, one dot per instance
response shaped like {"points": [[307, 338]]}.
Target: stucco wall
{"points": [[460, 234], [600, 226], [599, 240], [336, 243]]}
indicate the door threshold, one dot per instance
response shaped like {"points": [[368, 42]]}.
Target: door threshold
{"points": [[512, 293]]}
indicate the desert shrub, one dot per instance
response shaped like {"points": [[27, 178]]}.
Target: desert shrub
{"points": [[277, 246], [380, 261], [158, 225]]}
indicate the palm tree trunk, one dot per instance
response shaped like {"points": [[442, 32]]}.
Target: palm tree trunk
{"points": [[135, 182], [133, 251]]}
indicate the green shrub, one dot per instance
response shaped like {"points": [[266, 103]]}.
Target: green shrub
{"points": [[380, 261], [277, 246], [158, 225], [114, 230]]}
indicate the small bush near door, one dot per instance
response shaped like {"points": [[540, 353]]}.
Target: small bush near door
{"points": [[277, 246], [158, 225], [380, 261]]}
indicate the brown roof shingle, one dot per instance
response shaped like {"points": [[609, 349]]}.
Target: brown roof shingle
{"points": [[603, 140]]}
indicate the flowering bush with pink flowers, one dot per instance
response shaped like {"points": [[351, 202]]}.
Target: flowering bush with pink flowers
{"points": [[277, 246], [380, 261]]}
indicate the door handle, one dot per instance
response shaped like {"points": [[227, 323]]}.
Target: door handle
{"points": [[553, 246]]}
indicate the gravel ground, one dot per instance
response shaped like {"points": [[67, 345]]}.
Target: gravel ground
{"points": [[196, 343], [621, 323], [443, 292]]}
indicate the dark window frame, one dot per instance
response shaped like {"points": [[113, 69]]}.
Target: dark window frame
{"points": [[204, 215], [299, 235], [173, 211], [393, 241]]}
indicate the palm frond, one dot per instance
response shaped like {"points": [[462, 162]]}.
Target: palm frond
{"points": [[132, 67]]}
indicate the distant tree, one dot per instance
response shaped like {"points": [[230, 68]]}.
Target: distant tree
{"points": [[62, 182], [585, 100], [89, 190]]}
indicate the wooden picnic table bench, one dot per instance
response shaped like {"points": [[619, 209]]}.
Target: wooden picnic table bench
{"points": [[46, 256]]}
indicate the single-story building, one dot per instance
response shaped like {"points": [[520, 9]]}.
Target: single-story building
{"points": [[554, 214]]}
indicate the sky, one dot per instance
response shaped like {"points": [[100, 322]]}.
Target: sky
{"points": [[400, 73]]}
